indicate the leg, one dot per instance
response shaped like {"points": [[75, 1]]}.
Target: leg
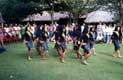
{"points": [[29, 55], [118, 54], [77, 53], [2, 43], [44, 55], [57, 52], [115, 54], [117, 49], [43, 51], [29, 47], [64, 51], [61, 55], [93, 51], [38, 50], [86, 56]]}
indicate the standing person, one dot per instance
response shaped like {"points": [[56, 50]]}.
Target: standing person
{"points": [[23, 30], [122, 34], [1, 35], [109, 33], [92, 40], [28, 40], [10, 33], [76, 42], [82, 27], [60, 42], [2, 48], [56, 39], [33, 28], [63, 43], [43, 40], [37, 43], [19, 32], [104, 28], [99, 32], [85, 44], [116, 41], [50, 29]]}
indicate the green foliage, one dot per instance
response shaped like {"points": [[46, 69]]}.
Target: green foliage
{"points": [[18, 9]]}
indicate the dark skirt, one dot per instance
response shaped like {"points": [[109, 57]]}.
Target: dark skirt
{"points": [[29, 44], [86, 48], [91, 45], [76, 48], [45, 46], [62, 45], [116, 44]]}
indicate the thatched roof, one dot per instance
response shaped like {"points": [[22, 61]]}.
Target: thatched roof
{"points": [[99, 16], [46, 16]]}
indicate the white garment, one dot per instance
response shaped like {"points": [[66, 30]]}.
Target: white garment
{"points": [[99, 32], [7, 30], [110, 31], [82, 28], [15, 28]]}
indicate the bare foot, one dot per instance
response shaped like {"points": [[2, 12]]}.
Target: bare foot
{"points": [[85, 63]]}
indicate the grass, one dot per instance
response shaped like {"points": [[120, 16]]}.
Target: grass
{"points": [[14, 65]]}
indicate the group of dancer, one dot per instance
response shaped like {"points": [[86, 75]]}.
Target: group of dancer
{"points": [[84, 40]]}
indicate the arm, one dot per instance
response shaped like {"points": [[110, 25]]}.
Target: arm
{"points": [[53, 39]]}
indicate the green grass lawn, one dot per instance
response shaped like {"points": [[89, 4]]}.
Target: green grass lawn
{"points": [[15, 66]]}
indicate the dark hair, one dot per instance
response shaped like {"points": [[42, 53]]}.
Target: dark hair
{"points": [[26, 29], [60, 28], [91, 29], [43, 28], [85, 29], [116, 28], [120, 31]]}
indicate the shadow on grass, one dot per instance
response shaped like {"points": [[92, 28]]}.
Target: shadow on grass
{"points": [[22, 56], [118, 63], [106, 54], [52, 53], [112, 59], [115, 61]]}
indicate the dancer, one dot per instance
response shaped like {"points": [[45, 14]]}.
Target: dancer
{"points": [[43, 43], [85, 44], [116, 41], [28, 40], [76, 42], [92, 39], [2, 36], [38, 33], [60, 42]]}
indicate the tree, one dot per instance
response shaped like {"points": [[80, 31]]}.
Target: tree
{"points": [[18, 9], [78, 7]]}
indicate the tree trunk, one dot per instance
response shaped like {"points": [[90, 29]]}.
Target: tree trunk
{"points": [[70, 19], [120, 11], [52, 19]]}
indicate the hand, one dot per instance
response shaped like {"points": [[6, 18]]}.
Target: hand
{"points": [[41, 41], [83, 43], [58, 43], [53, 40], [24, 41]]}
